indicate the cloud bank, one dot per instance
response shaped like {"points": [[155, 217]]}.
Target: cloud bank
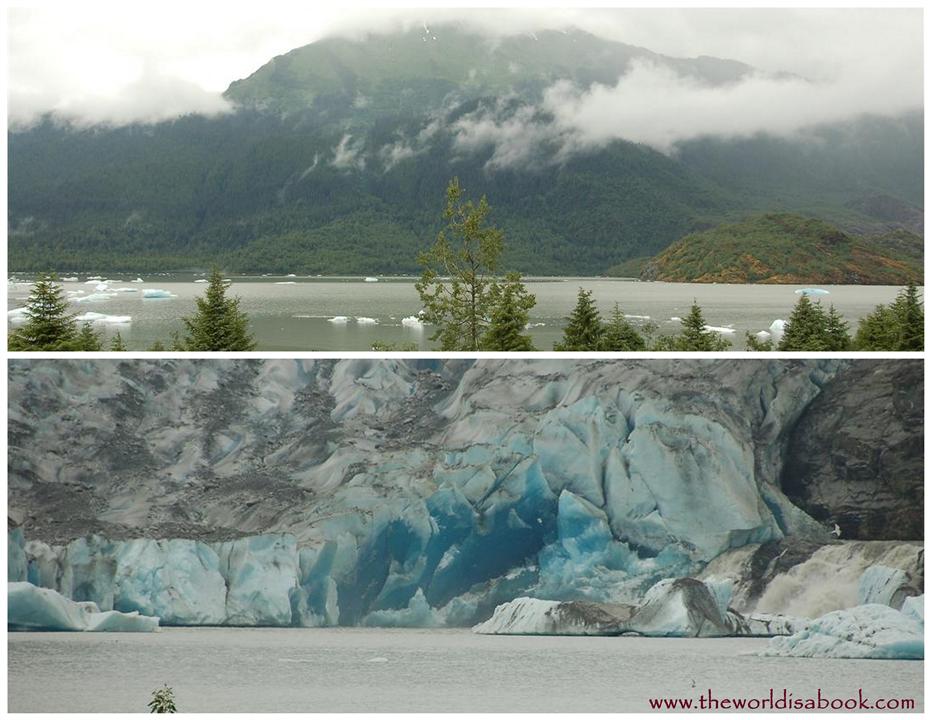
{"points": [[655, 106], [98, 62]]}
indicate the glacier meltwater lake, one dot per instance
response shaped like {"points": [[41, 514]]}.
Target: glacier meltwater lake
{"points": [[382, 670], [297, 313]]}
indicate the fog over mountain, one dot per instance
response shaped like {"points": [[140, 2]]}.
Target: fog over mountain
{"points": [[103, 64]]}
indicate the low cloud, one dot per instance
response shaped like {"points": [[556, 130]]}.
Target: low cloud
{"points": [[655, 106], [152, 97], [347, 156]]}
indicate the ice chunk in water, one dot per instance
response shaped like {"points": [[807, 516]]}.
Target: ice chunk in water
{"points": [[33, 608], [861, 632], [157, 294]]}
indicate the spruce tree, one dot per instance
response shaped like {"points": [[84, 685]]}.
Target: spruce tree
{"points": [[49, 325], [877, 331], [510, 311], [837, 332], [620, 335], [695, 336], [910, 320], [806, 328], [87, 340], [584, 331], [117, 344], [218, 324]]}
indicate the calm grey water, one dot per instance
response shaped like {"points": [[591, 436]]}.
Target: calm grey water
{"points": [[295, 316], [379, 670]]}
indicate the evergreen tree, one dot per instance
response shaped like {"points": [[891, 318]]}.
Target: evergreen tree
{"points": [[87, 340], [584, 331], [910, 319], [754, 344], [877, 331], [837, 331], [806, 328], [620, 335], [157, 346], [218, 324], [695, 336], [49, 325], [458, 280], [117, 344], [511, 304], [899, 326]]}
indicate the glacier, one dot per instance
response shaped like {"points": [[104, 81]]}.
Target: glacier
{"points": [[431, 493]]}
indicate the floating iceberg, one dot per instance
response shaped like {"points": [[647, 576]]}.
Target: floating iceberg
{"points": [[339, 320], [637, 317], [17, 316], [92, 317], [290, 275], [366, 321], [34, 608], [777, 330], [123, 290], [201, 280], [94, 278], [763, 335], [812, 291], [286, 282], [674, 607], [94, 297], [137, 280], [157, 294], [530, 616], [861, 632], [720, 330], [683, 607], [69, 279], [412, 321], [370, 279]]}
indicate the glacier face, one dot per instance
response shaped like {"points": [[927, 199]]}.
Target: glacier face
{"points": [[386, 492]]}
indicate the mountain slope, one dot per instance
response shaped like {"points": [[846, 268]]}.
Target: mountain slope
{"points": [[337, 158], [784, 248]]}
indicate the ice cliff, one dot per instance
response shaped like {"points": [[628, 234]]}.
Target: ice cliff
{"points": [[418, 493]]}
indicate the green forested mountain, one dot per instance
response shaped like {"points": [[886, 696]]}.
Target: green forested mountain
{"points": [[336, 157], [785, 248]]}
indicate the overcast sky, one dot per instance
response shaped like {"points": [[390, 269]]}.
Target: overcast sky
{"points": [[104, 62]]}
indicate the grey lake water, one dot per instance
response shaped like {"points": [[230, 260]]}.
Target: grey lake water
{"points": [[297, 315], [380, 670]]}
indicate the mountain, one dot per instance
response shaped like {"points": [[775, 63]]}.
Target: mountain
{"points": [[428, 492], [785, 248], [336, 157]]}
